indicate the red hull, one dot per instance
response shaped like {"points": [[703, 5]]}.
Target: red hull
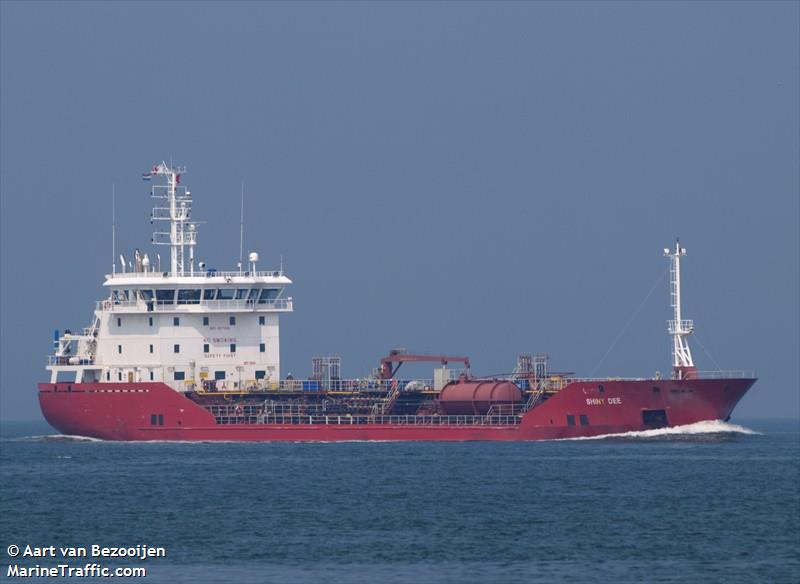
{"points": [[123, 411]]}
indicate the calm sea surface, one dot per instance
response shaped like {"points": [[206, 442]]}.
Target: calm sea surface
{"points": [[710, 504]]}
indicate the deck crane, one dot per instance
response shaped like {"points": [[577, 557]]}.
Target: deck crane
{"points": [[387, 370]]}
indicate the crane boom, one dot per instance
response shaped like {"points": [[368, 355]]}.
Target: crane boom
{"points": [[387, 369]]}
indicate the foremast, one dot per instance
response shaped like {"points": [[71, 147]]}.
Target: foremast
{"points": [[679, 328]]}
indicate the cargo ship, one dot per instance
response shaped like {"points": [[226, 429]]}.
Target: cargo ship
{"points": [[188, 352]]}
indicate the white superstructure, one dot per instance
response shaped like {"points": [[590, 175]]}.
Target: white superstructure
{"points": [[188, 326], [678, 327]]}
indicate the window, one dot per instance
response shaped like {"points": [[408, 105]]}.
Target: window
{"points": [[219, 375], [253, 296], [176, 348], [268, 295], [119, 321], [584, 420], [160, 419], [206, 348], [225, 293], [119, 349], [241, 293], [262, 348], [165, 296], [151, 348], [180, 376], [233, 347], [151, 375], [262, 320], [189, 296], [176, 321], [656, 389], [261, 374], [153, 419], [150, 319], [119, 375], [601, 389], [147, 295], [108, 375], [209, 294], [570, 420], [232, 320], [205, 321]]}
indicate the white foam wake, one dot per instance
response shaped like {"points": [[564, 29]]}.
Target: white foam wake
{"points": [[698, 428], [57, 438]]}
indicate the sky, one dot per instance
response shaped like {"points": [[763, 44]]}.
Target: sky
{"points": [[468, 178]]}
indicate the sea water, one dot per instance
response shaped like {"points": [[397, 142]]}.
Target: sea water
{"points": [[711, 502]]}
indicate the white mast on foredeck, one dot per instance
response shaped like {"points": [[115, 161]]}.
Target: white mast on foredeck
{"points": [[178, 211], [679, 328]]}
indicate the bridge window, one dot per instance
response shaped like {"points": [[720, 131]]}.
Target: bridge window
{"points": [[189, 296], [241, 293], [147, 295], [209, 293], [268, 295], [262, 348], [225, 293], [570, 420], [232, 320], [180, 376], [584, 420], [253, 294], [165, 296], [120, 296], [261, 320]]}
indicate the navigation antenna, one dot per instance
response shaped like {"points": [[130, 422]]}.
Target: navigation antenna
{"points": [[241, 231], [679, 328], [182, 232], [113, 229]]}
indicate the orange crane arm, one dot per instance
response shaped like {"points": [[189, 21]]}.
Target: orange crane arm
{"points": [[387, 369]]}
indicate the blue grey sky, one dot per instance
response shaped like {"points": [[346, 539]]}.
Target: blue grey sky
{"points": [[479, 178]]}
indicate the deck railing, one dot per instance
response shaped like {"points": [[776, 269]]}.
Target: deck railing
{"points": [[339, 420], [197, 274]]}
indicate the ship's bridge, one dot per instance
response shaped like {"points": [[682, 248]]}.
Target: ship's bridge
{"points": [[211, 291]]}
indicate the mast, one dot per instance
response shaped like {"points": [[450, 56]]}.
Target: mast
{"points": [[678, 327], [177, 211]]}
